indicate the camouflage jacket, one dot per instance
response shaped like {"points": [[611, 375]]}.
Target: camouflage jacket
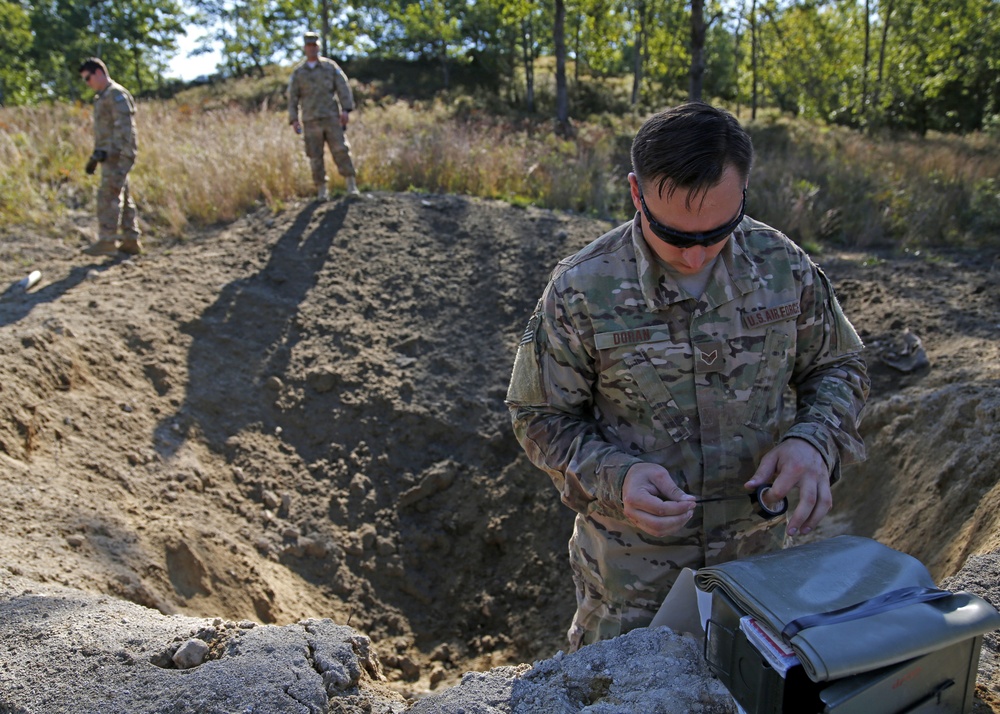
{"points": [[318, 89], [114, 122], [619, 365]]}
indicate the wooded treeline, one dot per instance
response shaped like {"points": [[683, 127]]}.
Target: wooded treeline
{"points": [[900, 64]]}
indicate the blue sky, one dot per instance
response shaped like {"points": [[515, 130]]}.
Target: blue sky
{"points": [[188, 68]]}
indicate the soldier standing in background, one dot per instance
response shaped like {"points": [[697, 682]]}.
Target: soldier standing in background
{"points": [[114, 150], [320, 86], [649, 383]]}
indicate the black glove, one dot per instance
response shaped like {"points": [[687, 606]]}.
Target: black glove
{"points": [[97, 157]]}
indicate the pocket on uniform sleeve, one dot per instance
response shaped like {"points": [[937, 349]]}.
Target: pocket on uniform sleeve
{"points": [[526, 378]]}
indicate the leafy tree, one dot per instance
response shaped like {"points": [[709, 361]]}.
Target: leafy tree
{"points": [[133, 37], [559, 40], [18, 78], [944, 72], [432, 28], [252, 33]]}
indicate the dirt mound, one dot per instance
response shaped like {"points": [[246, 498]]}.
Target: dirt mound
{"points": [[301, 415]]}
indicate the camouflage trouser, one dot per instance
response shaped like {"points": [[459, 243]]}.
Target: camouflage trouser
{"points": [[322, 132], [114, 202], [596, 619]]}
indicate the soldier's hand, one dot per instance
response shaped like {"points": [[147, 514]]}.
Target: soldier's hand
{"points": [[795, 463], [97, 157], [297, 126], [653, 502], [344, 118]]}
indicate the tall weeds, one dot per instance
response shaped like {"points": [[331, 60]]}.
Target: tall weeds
{"points": [[199, 167]]}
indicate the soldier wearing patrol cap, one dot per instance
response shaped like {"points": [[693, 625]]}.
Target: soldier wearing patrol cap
{"points": [[650, 381], [114, 151], [320, 86]]}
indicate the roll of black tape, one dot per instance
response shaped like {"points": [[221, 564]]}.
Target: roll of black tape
{"points": [[762, 508]]}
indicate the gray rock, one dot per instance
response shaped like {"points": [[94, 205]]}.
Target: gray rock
{"points": [[190, 654]]}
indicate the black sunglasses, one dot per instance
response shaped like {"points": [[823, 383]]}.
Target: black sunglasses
{"points": [[682, 240], [86, 77]]}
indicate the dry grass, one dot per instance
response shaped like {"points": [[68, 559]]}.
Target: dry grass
{"points": [[833, 184], [199, 166]]}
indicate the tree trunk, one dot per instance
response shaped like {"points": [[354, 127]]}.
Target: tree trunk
{"points": [[559, 40], [137, 60], [865, 62], [736, 55], [754, 32], [576, 63], [881, 57], [326, 28], [697, 49], [640, 37], [529, 64], [445, 69]]}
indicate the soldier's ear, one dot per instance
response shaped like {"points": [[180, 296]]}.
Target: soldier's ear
{"points": [[633, 183]]}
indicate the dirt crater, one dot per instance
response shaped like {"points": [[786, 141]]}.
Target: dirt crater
{"points": [[301, 415]]}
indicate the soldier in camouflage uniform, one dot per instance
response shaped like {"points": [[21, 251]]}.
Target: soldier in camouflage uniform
{"points": [[653, 370], [114, 150], [320, 86]]}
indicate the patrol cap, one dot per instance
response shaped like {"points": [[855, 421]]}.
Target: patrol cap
{"points": [[311, 38]]}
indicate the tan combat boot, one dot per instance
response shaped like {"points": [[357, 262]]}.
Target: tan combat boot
{"points": [[131, 246], [105, 246], [352, 186], [322, 194]]}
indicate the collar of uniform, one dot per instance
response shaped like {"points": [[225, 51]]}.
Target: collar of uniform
{"points": [[734, 274]]}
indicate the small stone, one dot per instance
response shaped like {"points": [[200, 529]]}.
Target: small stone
{"points": [[313, 548], [441, 653], [271, 500], [410, 669], [76, 540], [385, 546], [359, 485], [190, 654], [367, 534], [437, 675], [274, 383]]}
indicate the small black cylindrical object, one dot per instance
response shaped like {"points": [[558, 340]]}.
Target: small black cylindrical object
{"points": [[757, 498]]}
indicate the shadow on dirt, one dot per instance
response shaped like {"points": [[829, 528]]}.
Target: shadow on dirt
{"points": [[361, 375]]}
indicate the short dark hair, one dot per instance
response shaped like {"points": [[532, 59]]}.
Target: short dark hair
{"points": [[92, 64], [690, 146]]}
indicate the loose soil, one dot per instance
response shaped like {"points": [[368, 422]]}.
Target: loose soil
{"points": [[301, 415]]}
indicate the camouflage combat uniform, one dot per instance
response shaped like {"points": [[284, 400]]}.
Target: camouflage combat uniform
{"points": [[618, 365], [322, 91], [114, 133]]}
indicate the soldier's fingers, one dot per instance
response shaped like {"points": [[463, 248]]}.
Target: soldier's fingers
{"points": [[659, 508], [824, 502], [668, 488], [815, 502], [765, 470], [660, 526]]}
